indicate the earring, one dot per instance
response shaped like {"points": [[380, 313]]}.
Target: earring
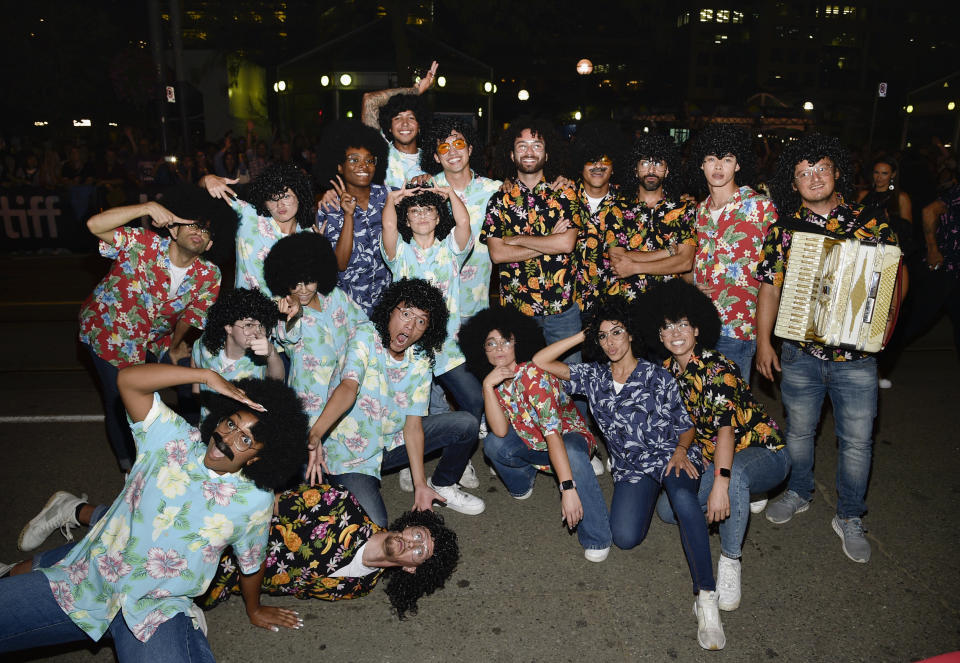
{"points": [[891, 184]]}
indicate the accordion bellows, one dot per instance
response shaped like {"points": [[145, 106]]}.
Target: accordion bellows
{"points": [[838, 291]]}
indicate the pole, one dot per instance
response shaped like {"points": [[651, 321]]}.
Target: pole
{"points": [[156, 49], [176, 32], [873, 122]]}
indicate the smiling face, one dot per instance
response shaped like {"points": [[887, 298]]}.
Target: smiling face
{"points": [[597, 173], [679, 338], [407, 325], [404, 127], [529, 153], [409, 548], [451, 158], [500, 351], [232, 446], [358, 167], [816, 183], [305, 292], [283, 208], [614, 340], [720, 171]]}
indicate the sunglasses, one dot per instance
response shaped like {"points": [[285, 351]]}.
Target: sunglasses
{"points": [[458, 143]]}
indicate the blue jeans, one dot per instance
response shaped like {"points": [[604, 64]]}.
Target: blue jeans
{"points": [[464, 387], [739, 352], [557, 327], [755, 470], [454, 432], [852, 388], [515, 461], [632, 510]]}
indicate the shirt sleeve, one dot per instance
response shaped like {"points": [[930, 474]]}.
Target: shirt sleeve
{"points": [[492, 223], [250, 542], [687, 225], [160, 426], [580, 377], [670, 393], [358, 357], [773, 258], [124, 240], [540, 390]]}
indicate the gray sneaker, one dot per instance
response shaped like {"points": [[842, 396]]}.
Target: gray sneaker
{"points": [[782, 510], [855, 544]]}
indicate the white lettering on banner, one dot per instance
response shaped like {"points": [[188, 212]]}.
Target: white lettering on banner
{"points": [[41, 207]]}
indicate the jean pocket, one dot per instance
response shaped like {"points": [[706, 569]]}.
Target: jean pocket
{"points": [[790, 353]]}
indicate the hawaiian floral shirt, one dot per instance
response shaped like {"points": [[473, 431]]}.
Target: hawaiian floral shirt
{"points": [[440, 265], [318, 530], [316, 345], [845, 221], [366, 274], [159, 543], [590, 255], [256, 235], [536, 405], [642, 423], [390, 389], [131, 312], [716, 396], [727, 256], [948, 232], [401, 168], [475, 274], [641, 228], [542, 285], [230, 369]]}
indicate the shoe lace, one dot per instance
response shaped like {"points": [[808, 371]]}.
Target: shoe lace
{"points": [[65, 530], [853, 527]]}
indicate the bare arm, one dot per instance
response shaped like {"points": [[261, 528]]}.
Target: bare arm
{"points": [[461, 233], [178, 345], [570, 506], [679, 460], [103, 224], [931, 219], [339, 402], [268, 617], [549, 358], [413, 440], [768, 303], [718, 502], [388, 221], [906, 207], [497, 422], [628, 263], [373, 101], [501, 253], [553, 244]]}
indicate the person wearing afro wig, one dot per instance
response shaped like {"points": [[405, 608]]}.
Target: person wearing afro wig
{"points": [[190, 494], [319, 319], [811, 188], [279, 203], [236, 343], [731, 225], [157, 289]]}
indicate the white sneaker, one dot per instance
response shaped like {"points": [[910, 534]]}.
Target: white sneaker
{"points": [[482, 431], [458, 500], [884, 383], [728, 583], [709, 629], [758, 506], [469, 477], [596, 554], [597, 466], [59, 512], [406, 480]]}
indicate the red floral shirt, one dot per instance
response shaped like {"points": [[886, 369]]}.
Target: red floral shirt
{"points": [[131, 312]]}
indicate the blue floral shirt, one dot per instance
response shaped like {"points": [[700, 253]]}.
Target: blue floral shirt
{"points": [[230, 369], [366, 274], [160, 542], [642, 423], [401, 167], [256, 235], [389, 390]]}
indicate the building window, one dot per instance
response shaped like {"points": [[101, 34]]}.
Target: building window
{"points": [[706, 15], [737, 17], [719, 39], [723, 16]]}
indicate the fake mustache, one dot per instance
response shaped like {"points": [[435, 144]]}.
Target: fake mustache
{"points": [[221, 445]]}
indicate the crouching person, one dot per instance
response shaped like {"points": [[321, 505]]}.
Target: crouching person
{"points": [[190, 494]]}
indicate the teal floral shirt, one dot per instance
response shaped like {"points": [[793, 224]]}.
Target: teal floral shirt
{"points": [[230, 369], [160, 542], [389, 390], [401, 167], [256, 235]]}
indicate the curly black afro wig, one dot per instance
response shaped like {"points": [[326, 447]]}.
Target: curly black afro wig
{"points": [[301, 257], [719, 140], [418, 294], [233, 305], [596, 139], [399, 103], [274, 181], [556, 150], [344, 134], [653, 146], [612, 308], [810, 148], [511, 323], [437, 132], [445, 222], [405, 589], [193, 203], [283, 430], [671, 302]]}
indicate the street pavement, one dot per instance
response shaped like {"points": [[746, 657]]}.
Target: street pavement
{"points": [[523, 591]]}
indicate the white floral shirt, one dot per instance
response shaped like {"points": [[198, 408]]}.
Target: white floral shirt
{"points": [[159, 544]]}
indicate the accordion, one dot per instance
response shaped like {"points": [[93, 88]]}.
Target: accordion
{"points": [[839, 292]]}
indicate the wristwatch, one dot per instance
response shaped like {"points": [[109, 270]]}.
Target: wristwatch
{"points": [[569, 484], [722, 472]]}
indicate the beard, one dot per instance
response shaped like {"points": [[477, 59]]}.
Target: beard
{"points": [[536, 167], [651, 182]]}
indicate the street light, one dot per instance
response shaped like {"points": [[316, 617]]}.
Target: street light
{"points": [[523, 95], [909, 108], [584, 67], [442, 81], [577, 116], [279, 86], [324, 80], [951, 105], [488, 87], [808, 105], [346, 80]]}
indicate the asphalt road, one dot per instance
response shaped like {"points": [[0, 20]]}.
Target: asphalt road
{"points": [[523, 591]]}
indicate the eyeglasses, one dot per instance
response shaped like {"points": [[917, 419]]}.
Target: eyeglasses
{"points": [[287, 197], [355, 159], [203, 229], [655, 164], [601, 162], [251, 328], [493, 344], [407, 315], [420, 550], [681, 326], [614, 333], [422, 212], [807, 173], [457, 143], [524, 146], [241, 442]]}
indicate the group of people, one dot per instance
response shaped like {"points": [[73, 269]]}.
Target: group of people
{"points": [[359, 338]]}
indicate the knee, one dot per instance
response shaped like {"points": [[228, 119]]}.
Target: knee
{"points": [[626, 538], [465, 426], [493, 446]]}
